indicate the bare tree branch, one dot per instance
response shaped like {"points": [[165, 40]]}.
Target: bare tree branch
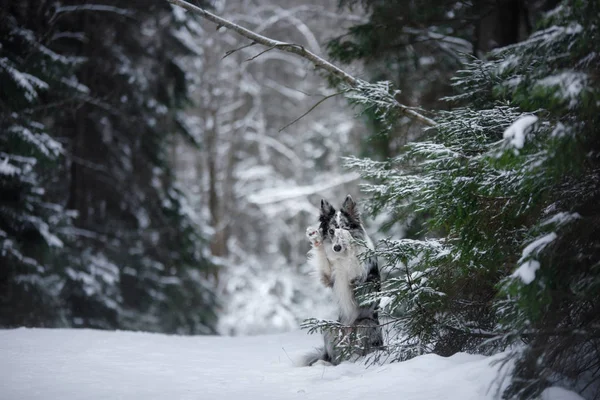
{"points": [[261, 53], [298, 50], [230, 52], [310, 109]]}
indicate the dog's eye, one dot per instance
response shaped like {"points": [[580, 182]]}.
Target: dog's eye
{"points": [[331, 231]]}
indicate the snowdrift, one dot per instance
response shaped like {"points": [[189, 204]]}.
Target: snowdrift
{"points": [[88, 364]]}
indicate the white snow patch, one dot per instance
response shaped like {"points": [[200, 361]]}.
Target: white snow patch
{"points": [[8, 169], [526, 271], [385, 301], [75, 84], [100, 365], [559, 393], [569, 83], [559, 131], [26, 81], [425, 61], [562, 218], [513, 81], [51, 239], [516, 132], [573, 29], [508, 62], [179, 13], [538, 244], [42, 141], [529, 266]]}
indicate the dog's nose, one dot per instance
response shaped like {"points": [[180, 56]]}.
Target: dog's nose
{"points": [[337, 247]]}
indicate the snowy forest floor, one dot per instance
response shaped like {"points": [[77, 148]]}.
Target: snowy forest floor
{"points": [[89, 364]]}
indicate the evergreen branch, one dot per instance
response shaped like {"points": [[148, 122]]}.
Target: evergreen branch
{"points": [[299, 50], [475, 333], [91, 7], [526, 334]]}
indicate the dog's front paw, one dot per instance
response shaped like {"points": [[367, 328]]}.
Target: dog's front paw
{"points": [[322, 363], [314, 236], [354, 282]]}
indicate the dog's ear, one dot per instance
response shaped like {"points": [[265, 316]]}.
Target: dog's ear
{"points": [[351, 208], [326, 208]]}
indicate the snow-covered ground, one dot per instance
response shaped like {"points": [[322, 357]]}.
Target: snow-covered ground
{"points": [[87, 364]]}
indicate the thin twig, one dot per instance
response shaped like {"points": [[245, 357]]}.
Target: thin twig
{"points": [[230, 52], [274, 47], [286, 353], [317, 61], [310, 109], [260, 54]]}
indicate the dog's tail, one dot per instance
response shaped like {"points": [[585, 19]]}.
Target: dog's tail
{"points": [[311, 358]]}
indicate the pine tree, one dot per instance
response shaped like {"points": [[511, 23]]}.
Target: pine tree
{"points": [[113, 81], [418, 46], [124, 191], [30, 222], [506, 185], [551, 299]]}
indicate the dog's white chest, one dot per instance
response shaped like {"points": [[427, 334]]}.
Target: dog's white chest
{"points": [[344, 272]]}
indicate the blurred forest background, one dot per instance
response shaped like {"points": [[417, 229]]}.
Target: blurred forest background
{"points": [[150, 178], [145, 181]]}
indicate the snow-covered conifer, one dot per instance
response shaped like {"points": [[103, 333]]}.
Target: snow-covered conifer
{"points": [[506, 187]]}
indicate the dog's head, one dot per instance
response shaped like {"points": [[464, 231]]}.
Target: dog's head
{"points": [[333, 221], [342, 239]]}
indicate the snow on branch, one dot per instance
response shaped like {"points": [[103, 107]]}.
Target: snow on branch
{"points": [[93, 7], [277, 195], [299, 50], [516, 133]]}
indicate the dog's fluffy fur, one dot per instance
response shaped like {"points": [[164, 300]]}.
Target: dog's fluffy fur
{"points": [[336, 256]]}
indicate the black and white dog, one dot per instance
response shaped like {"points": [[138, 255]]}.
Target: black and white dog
{"points": [[336, 255]]}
